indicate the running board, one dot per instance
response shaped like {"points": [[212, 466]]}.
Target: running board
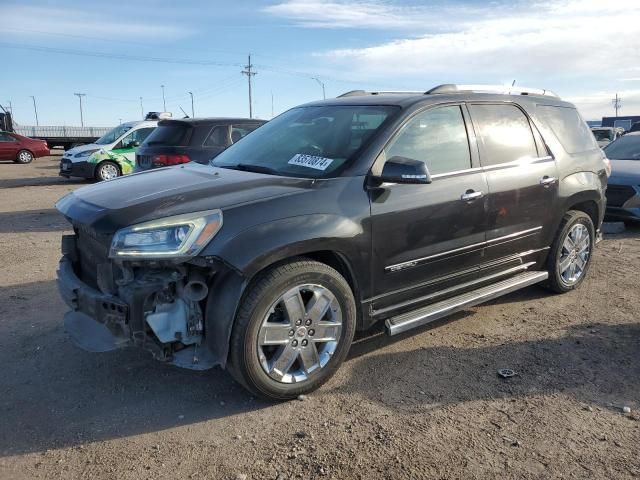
{"points": [[422, 316]]}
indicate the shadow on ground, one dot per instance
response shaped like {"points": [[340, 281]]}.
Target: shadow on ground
{"points": [[43, 181], [46, 220]]}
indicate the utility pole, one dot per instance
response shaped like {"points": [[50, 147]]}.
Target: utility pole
{"points": [[10, 108], [192, 112], [120, 121], [617, 104], [35, 109], [141, 109], [322, 85], [80, 95], [249, 73], [164, 103], [271, 103]]}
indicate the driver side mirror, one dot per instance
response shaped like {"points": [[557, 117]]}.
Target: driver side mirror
{"points": [[404, 170], [133, 144]]}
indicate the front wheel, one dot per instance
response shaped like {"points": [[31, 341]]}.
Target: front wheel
{"points": [[571, 252], [293, 331], [107, 171], [24, 156]]}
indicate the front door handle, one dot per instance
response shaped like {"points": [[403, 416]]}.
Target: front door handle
{"points": [[546, 181], [470, 195]]}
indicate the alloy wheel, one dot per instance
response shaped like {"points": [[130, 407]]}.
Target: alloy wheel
{"points": [[574, 254], [300, 333], [108, 171]]}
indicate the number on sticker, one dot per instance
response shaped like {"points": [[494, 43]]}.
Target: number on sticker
{"points": [[310, 161]]}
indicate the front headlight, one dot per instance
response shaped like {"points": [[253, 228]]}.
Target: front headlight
{"points": [[86, 153], [181, 236]]}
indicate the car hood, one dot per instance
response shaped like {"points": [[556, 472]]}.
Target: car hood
{"points": [[72, 152], [625, 172], [110, 205]]}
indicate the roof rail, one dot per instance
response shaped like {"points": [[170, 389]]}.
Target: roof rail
{"points": [[502, 89], [357, 93]]}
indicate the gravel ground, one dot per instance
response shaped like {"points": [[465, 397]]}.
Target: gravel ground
{"points": [[424, 405]]}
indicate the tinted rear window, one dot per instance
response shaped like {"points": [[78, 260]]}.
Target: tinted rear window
{"points": [[571, 130], [170, 135]]}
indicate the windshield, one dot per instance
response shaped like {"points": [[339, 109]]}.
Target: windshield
{"points": [[112, 135], [625, 148], [309, 142], [603, 134]]}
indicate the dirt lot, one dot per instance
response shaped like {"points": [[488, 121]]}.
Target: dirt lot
{"points": [[425, 405]]}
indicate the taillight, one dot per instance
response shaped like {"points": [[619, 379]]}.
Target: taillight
{"points": [[168, 160]]}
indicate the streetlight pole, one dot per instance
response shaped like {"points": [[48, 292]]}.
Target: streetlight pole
{"points": [[80, 95], [322, 85], [192, 112], [164, 103], [35, 109], [141, 109], [10, 107]]}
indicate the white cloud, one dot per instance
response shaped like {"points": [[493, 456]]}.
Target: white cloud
{"points": [[31, 21], [571, 46], [365, 14]]}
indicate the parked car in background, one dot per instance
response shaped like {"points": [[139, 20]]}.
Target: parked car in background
{"points": [[623, 192], [191, 140], [21, 149], [112, 155], [635, 127], [606, 135]]}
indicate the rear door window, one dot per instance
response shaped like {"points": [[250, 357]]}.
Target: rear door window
{"points": [[503, 132], [218, 137], [570, 129], [5, 137], [239, 131]]}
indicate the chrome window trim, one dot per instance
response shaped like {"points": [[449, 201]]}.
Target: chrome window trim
{"points": [[515, 163], [414, 263]]}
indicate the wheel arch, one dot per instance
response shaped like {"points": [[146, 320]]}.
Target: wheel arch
{"points": [[231, 286], [106, 160]]}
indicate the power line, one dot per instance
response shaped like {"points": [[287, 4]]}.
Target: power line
{"points": [[249, 73]]}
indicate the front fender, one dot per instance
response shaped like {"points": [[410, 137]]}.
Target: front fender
{"points": [[254, 249]]}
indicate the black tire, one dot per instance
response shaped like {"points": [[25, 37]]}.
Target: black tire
{"points": [[24, 157], [104, 171], [244, 363], [556, 282]]}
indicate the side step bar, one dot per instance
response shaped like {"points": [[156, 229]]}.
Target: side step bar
{"points": [[422, 316]]}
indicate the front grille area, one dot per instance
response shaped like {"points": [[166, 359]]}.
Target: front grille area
{"points": [[65, 164], [93, 250], [617, 195]]}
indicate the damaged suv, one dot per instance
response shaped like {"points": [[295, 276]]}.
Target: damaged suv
{"points": [[375, 206]]}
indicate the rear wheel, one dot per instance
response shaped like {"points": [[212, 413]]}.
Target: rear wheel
{"points": [[293, 331], [24, 156], [107, 170], [570, 253]]}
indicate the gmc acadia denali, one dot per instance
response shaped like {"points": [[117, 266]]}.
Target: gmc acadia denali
{"points": [[375, 206]]}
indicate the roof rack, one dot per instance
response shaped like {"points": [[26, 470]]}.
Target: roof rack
{"points": [[357, 93], [452, 88], [502, 89]]}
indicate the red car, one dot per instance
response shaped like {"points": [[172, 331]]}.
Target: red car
{"points": [[21, 149]]}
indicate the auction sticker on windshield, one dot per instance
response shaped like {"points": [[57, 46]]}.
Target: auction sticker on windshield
{"points": [[310, 161]]}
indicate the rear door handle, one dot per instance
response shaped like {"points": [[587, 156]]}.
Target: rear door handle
{"points": [[546, 181], [470, 195]]}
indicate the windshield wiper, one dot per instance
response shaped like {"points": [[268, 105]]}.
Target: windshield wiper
{"points": [[247, 167]]}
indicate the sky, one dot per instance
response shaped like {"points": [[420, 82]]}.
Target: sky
{"points": [[118, 51]]}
